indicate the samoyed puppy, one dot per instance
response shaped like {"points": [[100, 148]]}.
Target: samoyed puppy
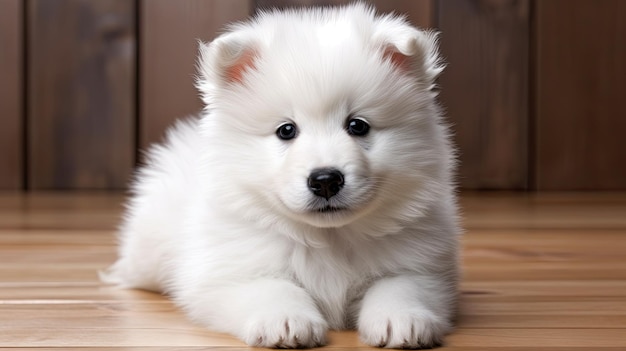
{"points": [[313, 192]]}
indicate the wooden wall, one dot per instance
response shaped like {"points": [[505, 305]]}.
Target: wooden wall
{"points": [[81, 93], [168, 57], [580, 96], [485, 89], [86, 84], [11, 95], [534, 89]]}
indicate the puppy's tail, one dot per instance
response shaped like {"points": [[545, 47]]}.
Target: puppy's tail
{"points": [[111, 276]]}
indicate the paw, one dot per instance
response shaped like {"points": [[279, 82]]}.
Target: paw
{"points": [[297, 330], [403, 329]]}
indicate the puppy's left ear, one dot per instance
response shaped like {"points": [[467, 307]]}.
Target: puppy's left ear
{"points": [[409, 49], [224, 61]]}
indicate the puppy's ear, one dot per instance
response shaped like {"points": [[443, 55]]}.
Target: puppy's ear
{"points": [[224, 61], [409, 49]]}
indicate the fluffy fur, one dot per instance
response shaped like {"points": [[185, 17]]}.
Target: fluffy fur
{"points": [[222, 218]]}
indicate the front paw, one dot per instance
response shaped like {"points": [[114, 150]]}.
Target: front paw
{"points": [[297, 329], [403, 329]]}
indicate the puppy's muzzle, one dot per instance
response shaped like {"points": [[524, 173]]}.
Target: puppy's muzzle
{"points": [[325, 182]]}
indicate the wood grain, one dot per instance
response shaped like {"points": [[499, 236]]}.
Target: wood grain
{"points": [[484, 89], [543, 272], [419, 12], [11, 94], [581, 85], [168, 49], [81, 93], [267, 4]]}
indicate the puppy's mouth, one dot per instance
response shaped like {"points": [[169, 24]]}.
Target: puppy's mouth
{"points": [[330, 209]]}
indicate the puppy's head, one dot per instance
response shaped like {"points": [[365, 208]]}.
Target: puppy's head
{"points": [[324, 117]]}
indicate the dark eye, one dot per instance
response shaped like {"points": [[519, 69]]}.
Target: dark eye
{"points": [[287, 131], [357, 127]]}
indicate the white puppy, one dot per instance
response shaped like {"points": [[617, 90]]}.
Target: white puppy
{"points": [[313, 192]]}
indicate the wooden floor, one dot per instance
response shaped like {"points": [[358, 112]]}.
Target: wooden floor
{"points": [[543, 272]]}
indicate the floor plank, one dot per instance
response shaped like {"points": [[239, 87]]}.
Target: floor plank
{"points": [[541, 272]]}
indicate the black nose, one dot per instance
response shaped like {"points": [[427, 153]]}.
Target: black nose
{"points": [[325, 182]]}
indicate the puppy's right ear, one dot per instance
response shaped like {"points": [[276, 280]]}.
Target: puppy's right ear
{"points": [[224, 61], [409, 48]]}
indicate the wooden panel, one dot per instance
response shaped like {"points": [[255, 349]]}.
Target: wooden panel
{"points": [[11, 153], [260, 4], [419, 12], [169, 34], [485, 89], [580, 96], [81, 92]]}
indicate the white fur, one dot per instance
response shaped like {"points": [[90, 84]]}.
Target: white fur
{"points": [[222, 218]]}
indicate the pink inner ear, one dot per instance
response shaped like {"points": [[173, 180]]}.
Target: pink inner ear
{"points": [[235, 72], [399, 60]]}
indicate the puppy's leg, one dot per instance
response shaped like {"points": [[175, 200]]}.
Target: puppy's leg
{"points": [[407, 312], [264, 312]]}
